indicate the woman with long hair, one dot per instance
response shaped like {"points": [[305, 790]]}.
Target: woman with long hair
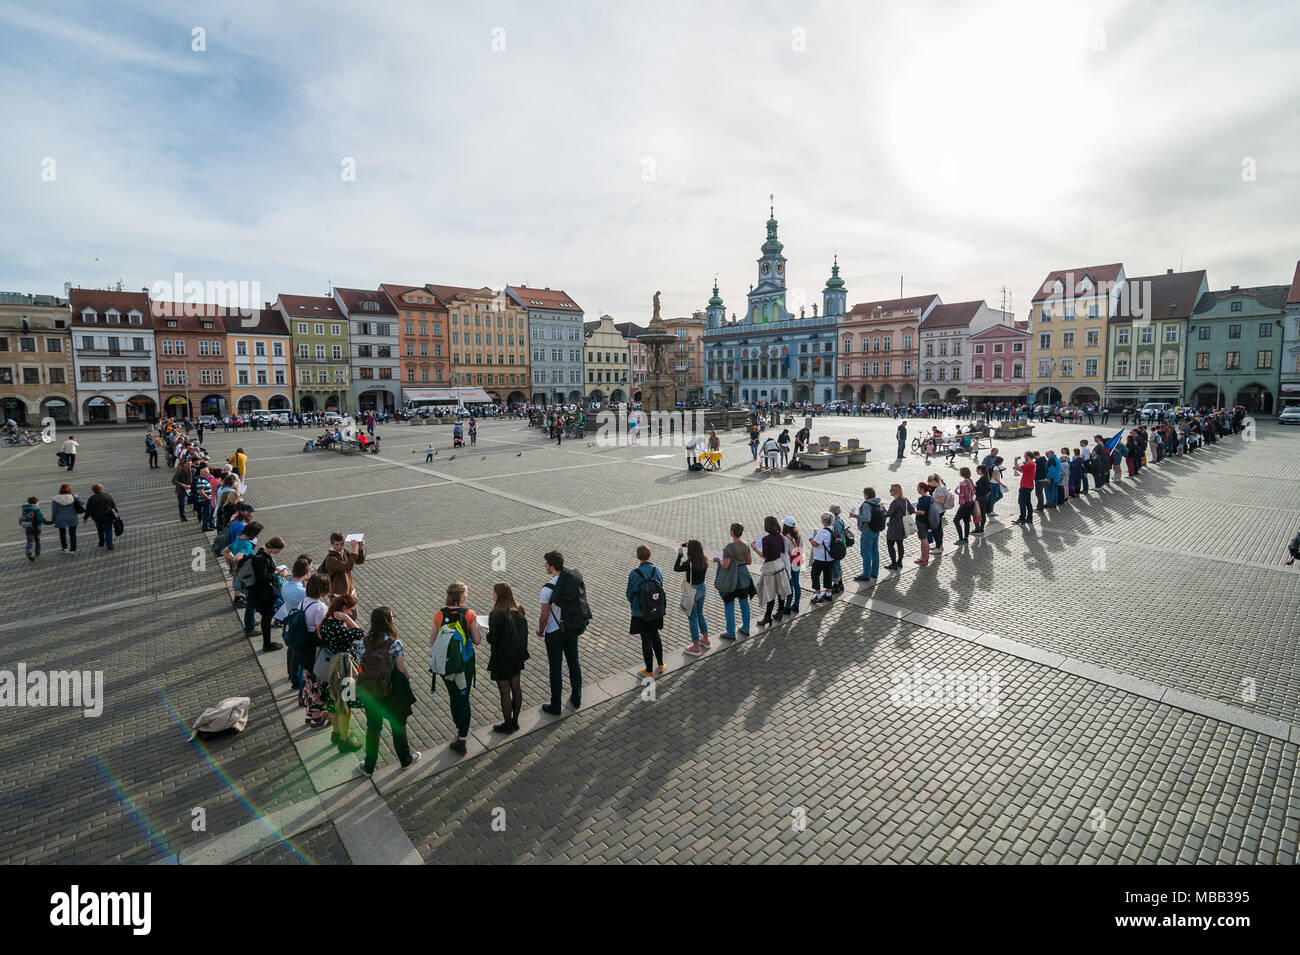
{"points": [[774, 580], [695, 566], [508, 638], [899, 508], [394, 705], [338, 634], [456, 613], [794, 548]]}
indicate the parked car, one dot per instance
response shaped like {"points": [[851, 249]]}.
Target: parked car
{"points": [[1289, 415], [210, 421], [1154, 409]]}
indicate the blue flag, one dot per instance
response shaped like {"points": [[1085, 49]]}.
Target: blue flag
{"points": [[1119, 436]]}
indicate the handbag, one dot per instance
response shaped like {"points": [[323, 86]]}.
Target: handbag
{"points": [[118, 527], [687, 602], [909, 525], [725, 579], [321, 666]]}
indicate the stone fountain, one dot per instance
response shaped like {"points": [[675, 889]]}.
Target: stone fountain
{"points": [[659, 390]]}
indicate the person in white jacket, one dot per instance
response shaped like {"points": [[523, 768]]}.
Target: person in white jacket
{"points": [[70, 451]]}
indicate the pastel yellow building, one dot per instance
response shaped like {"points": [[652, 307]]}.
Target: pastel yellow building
{"points": [[1067, 324]]}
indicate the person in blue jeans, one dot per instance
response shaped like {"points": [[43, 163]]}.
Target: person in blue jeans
{"points": [[692, 562], [736, 554], [560, 647], [868, 539], [652, 648], [901, 434]]}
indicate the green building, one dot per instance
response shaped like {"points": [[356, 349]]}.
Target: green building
{"points": [[1234, 348], [321, 365]]}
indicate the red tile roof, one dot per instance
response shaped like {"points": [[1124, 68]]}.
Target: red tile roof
{"points": [[893, 308], [354, 300], [1098, 274], [957, 315], [102, 300], [543, 298], [1293, 297], [189, 316], [447, 293], [1020, 328], [395, 293], [302, 306]]}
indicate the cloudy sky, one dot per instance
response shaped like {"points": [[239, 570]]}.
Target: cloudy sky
{"points": [[615, 149]]}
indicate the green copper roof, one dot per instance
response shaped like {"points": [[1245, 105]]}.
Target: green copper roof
{"points": [[716, 301], [835, 281], [772, 247]]}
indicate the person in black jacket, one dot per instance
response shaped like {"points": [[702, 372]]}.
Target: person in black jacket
{"points": [[101, 508], [266, 588]]}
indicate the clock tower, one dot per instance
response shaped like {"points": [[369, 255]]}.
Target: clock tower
{"points": [[767, 298]]}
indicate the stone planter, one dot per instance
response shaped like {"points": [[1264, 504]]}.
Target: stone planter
{"points": [[818, 462], [839, 459], [857, 455]]}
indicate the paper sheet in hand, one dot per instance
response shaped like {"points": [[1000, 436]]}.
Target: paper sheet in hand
{"points": [[354, 537]]}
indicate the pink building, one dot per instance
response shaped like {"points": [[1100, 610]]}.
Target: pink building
{"points": [[997, 364]]}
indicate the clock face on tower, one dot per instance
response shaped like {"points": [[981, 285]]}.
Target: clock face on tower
{"points": [[767, 267], [780, 268]]}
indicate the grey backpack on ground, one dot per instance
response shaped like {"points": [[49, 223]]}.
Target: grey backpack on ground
{"points": [[227, 717]]}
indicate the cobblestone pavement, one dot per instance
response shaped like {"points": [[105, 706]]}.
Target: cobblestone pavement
{"points": [[1175, 579]]}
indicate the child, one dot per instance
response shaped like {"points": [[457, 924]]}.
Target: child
{"points": [[428, 454]]}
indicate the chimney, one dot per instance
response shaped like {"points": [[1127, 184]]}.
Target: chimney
{"points": [[1235, 287], [1169, 271], [268, 306]]}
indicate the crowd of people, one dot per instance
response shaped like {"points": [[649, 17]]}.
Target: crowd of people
{"points": [[340, 660]]}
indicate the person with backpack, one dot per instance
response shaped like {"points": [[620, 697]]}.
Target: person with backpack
{"points": [[452, 641], [67, 509], [821, 541], [384, 689], [871, 521], [30, 520], [102, 509], [508, 638], [313, 694], [339, 634], [648, 602], [237, 553], [264, 589], [293, 594], [692, 563], [841, 541], [564, 616], [734, 562]]}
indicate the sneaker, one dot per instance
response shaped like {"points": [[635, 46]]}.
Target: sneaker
{"points": [[550, 710], [725, 636], [367, 771], [575, 702], [744, 633], [416, 754], [920, 561], [457, 746], [861, 577], [693, 650], [816, 600], [31, 557], [270, 647], [659, 670], [63, 549], [643, 671]]}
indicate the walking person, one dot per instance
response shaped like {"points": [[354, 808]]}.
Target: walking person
{"points": [[965, 506], [462, 624], [66, 510], [774, 576], [794, 551], [561, 644], [69, 452], [508, 639], [30, 520], [871, 521], [646, 601], [753, 442], [692, 563], [895, 533], [239, 462], [102, 509]]}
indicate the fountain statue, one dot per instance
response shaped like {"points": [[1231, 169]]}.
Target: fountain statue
{"points": [[659, 389]]}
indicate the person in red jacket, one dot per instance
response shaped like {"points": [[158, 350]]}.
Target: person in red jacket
{"points": [[1027, 472]]}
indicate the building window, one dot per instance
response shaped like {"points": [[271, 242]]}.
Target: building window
{"points": [[1067, 339], [1168, 365], [1266, 330], [1121, 367], [320, 329], [1203, 333], [1264, 359], [243, 376], [56, 376], [1235, 306], [1092, 338], [1045, 341], [1146, 335], [1171, 334], [1067, 367], [1144, 367], [1019, 372], [1234, 331], [1089, 368], [241, 349], [1234, 359], [277, 349], [1121, 336], [1202, 361]]}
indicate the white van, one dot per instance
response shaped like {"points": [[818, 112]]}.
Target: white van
{"points": [[1153, 410]]}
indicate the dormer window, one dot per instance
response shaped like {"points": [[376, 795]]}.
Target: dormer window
{"points": [[135, 318], [370, 306], [114, 318], [90, 317], [1058, 287], [1085, 285]]}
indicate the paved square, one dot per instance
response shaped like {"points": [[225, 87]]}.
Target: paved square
{"points": [[1139, 677]]}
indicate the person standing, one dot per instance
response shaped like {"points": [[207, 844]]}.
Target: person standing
{"points": [[646, 575], [181, 485], [266, 589], [901, 435], [239, 462], [822, 584], [383, 661], [871, 521], [899, 508], [692, 563], [794, 550], [965, 506], [339, 633], [456, 614], [340, 562], [560, 646], [151, 449], [753, 442], [31, 520], [1027, 472], [736, 556], [508, 638], [101, 508], [943, 501], [70, 452], [66, 510], [983, 497], [773, 586]]}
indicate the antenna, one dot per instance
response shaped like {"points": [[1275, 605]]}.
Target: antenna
{"points": [[900, 286]]}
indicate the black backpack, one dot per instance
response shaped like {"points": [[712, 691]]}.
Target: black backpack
{"points": [[514, 641], [654, 603], [375, 678], [877, 520], [570, 595]]}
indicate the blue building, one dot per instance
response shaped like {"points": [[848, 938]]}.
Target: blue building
{"points": [[771, 355], [555, 343]]}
